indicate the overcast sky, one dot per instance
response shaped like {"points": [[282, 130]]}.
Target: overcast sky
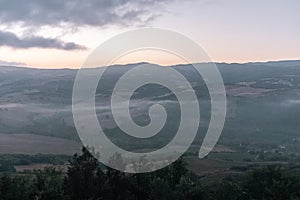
{"points": [[62, 33]]}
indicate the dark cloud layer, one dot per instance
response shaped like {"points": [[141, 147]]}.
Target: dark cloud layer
{"points": [[77, 12], [11, 40], [34, 14]]}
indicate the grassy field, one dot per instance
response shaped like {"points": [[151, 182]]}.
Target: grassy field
{"points": [[36, 144]]}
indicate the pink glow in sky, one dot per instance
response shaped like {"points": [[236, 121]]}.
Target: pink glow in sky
{"points": [[229, 30]]}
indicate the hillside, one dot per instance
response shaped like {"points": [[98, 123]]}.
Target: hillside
{"points": [[263, 104]]}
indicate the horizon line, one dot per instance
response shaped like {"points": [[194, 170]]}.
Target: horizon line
{"points": [[135, 63]]}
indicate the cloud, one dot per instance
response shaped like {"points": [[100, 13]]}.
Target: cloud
{"points": [[97, 13], [34, 15], [9, 63], [11, 40]]}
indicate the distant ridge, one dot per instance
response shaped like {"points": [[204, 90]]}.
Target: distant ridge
{"points": [[286, 63], [281, 63]]}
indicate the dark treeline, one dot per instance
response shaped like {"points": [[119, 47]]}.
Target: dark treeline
{"points": [[86, 179]]}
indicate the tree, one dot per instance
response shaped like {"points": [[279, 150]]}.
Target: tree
{"points": [[17, 187], [83, 176], [49, 184], [272, 183]]}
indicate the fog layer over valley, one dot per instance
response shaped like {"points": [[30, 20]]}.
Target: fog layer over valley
{"points": [[263, 108]]}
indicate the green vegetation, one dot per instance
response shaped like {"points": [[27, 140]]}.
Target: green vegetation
{"points": [[9, 161], [86, 179]]}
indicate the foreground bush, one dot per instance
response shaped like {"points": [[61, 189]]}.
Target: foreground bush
{"points": [[86, 179]]}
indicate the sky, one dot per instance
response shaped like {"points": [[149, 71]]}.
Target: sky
{"points": [[61, 34]]}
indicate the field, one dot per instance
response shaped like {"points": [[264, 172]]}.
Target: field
{"points": [[36, 144]]}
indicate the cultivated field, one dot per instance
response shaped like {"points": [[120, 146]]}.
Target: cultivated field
{"points": [[36, 144]]}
